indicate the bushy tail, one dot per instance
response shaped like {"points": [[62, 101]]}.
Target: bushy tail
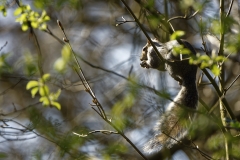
{"points": [[173, 125]]}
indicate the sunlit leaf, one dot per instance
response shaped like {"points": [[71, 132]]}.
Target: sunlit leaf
{"points": [[56, 104], [177, 34], [44, 101], [44, 91], [66, 53], [28, 7], [32, 84], [24, 27], [34, 24], [34, 91], [46, 18], [3, 10], [46, 77], [215, 70], [18, 11], [43, 26], [57, 94], [60, 65]]}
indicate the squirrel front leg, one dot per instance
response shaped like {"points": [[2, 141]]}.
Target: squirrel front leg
{"points": [[177, 68]]}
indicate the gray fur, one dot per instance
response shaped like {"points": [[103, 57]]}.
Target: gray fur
{"points": [[170, 127]]}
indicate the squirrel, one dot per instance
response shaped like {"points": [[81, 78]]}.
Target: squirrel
{"points": [[170, 128]]}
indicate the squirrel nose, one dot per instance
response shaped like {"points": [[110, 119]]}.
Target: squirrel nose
{"points": [[143, 58]]}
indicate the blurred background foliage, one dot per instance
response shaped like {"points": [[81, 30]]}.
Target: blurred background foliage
{"points": [[109, 56]]}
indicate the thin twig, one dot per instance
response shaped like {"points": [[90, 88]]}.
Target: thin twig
{"points": [[179, 142], [31, 30], [183, 17], [38, 134], [11, 87], [39, 53], [54, 36], [230, 8], [143, 30], [96, 131], [203, 41], [19, 110], [122, 22], [95, 100], [225, 90], [82, 76], [4, 46]]}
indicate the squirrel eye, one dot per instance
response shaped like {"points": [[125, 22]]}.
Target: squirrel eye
{"points": [[145, 49]]}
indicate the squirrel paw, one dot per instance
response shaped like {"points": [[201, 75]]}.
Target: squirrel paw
{"points": [[144, 64]]}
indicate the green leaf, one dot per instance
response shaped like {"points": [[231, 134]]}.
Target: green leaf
{"points": [[3, 10], [4, 13], [42, 99], [66, 53], [45, 101], [204, 58], [44, 91], [32, 84], [43, 26], [35, 24], [34, 91], [60, 65], [220, 59], [185, 51], [46, 18], [28, 7], [56, 104], [46, 77], [24, 27], [177, 34], [216, 71], [18, 11], [57, 94]]}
